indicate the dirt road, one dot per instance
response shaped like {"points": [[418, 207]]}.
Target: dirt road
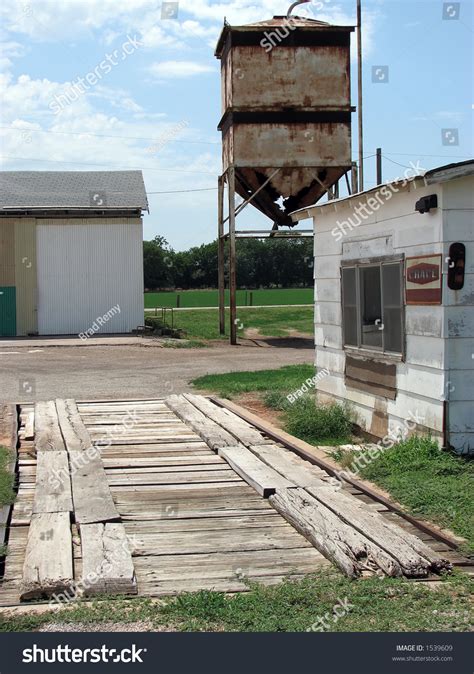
{"points": [[129, 371]]}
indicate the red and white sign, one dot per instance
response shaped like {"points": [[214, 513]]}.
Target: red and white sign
{"points": [[424, 279]]}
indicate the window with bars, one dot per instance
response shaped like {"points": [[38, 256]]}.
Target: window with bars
{"points": [[372, 304]]}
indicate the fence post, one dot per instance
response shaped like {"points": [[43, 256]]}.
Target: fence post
{"points": [[178, 301]]}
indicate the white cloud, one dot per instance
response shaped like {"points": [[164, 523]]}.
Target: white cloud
{"points": [[179, 69]]}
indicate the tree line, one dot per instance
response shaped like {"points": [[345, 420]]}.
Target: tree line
{"points": [[268, 263]]}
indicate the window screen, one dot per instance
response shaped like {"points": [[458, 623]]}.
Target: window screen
{"points": [[372, 305], [392, 307], [349, 306]]}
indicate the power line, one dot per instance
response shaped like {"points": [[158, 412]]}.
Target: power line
{"points": [[124, 168], [103, 135], [418, 154], [203, 189], [396, 162]]}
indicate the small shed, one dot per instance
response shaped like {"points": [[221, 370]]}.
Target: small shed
{"points": [[71, 252], [394, 304]]}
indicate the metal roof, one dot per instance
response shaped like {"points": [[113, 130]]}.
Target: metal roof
{"points": [[294, 22], [439, 174], [64, 190]]}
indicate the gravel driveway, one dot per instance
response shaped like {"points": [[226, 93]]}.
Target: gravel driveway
{"points": [[128, 371]]}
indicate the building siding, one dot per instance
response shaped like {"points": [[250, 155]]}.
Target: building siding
{"points": [[85, 268], [458, 201], [7, 253], [26, 275], [394, 229]]}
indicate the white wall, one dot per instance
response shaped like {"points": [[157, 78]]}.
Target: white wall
{"points": [[86, 267], [458, 210], [393, 228]]}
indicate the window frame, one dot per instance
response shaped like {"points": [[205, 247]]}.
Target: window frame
{"points": [[374, 351]]}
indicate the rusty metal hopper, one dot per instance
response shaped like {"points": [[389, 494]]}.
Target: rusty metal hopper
{"points": [[286, 106]]}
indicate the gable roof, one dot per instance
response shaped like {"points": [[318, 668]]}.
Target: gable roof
{"points": [[65, 190]]}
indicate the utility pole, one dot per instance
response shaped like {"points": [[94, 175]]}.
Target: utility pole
{"points": [[359, 78], [379, 165]]}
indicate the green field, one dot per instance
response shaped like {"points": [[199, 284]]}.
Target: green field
{"points": [[270, 321], [245, 298]]}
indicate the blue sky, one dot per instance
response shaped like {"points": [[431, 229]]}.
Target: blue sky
{"points": [[157, 107]]}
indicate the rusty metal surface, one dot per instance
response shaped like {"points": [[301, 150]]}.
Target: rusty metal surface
{"points": [[287, 106]]}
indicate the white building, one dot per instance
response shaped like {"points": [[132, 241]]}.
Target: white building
{"points": [[394, 304], [71, 252]]}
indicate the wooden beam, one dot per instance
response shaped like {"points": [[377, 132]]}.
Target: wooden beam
{"points": [[215, 436], [30, 426], [415, 558], [107, 565], [53, 483], [258, 475], [240, 429], [323, 529], [75, 434], [91, 493], [221, 254], [48, 565], [8, 426], [47, 432]]}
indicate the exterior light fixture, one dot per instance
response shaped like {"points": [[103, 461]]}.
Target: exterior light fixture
{"points": [[425, 204]]}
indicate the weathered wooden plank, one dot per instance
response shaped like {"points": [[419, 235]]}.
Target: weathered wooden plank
{"points": [[350, 550], [233, 540], [8, 426], [47, 432], [257, 474], [107, 565], [187, 478], [352, 511], [75, 434], [53, 483], [288, 464], [240, 429], [210, 432], [307, 516], [92, 498], [48, 566], [178, 462], [415, 558], [30, 426]]}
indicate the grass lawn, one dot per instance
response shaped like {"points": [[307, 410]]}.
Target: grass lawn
{"points": [[271, 321], [430, 483], [210, 298], [7, 495], [329, 425], [373, 605], [233, 383]]}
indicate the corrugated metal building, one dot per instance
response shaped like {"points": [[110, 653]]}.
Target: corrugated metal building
{"points": [[394, 304], [71, 254]]}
